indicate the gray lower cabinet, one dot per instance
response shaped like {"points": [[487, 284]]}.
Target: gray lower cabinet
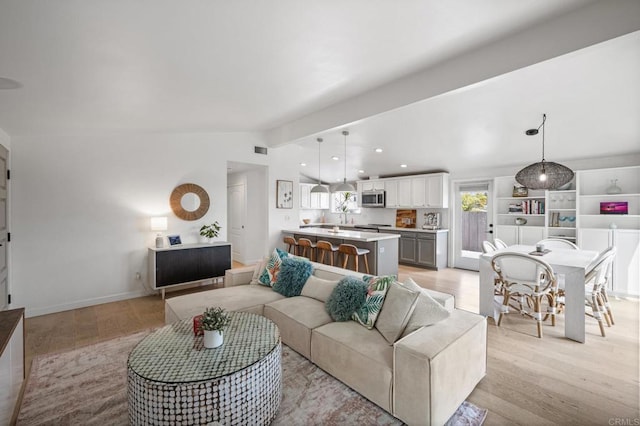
{"points": [[408, 252], [428, 250]]}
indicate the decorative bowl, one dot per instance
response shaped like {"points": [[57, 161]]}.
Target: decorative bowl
{"points": [[306, 221], [521, 221]]}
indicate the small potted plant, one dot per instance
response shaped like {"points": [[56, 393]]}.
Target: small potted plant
{"points": [[210, 231], [214, 320]]}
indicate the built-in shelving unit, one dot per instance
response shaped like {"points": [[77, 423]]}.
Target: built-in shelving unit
{"points": [[508, 208], [562, 214], [598, 229]]}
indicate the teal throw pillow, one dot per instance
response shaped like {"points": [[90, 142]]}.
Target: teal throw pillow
{"points": [[293, 274], [376, 291], [270, 275], [348, 295]]}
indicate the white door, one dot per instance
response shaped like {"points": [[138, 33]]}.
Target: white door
{"points": [[4, 230], [473, 222], [237, 218]]}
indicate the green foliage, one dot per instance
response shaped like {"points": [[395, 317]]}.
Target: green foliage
{"points": [[210, 231], [215, 319], [474, 201]]}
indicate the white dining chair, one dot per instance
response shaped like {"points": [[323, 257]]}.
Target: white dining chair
{"points": [[488, 247], [499, 243], [557, 243], [530, 280]]}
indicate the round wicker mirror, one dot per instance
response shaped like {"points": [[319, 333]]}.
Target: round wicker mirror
{"points": [[189, 201]]}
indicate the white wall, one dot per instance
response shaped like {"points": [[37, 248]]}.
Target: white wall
{"points": [[81, 208]]}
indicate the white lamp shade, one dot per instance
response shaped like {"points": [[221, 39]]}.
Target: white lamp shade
{"points": [[158, 223]]}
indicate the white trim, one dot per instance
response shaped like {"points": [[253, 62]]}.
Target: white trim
{"points": [[34, 312]]}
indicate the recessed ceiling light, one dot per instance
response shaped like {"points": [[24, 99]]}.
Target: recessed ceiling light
{"points": [[360, 171], [303, 164], [403, 166], [335, 158], [378, 149]]}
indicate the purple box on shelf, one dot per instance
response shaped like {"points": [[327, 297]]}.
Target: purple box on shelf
{"points": [[614, 207]]}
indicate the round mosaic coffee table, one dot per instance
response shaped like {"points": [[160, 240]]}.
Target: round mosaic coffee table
{"points": [[174, 380]]}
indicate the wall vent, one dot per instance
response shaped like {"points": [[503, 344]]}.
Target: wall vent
{"points": [[260, 150]]}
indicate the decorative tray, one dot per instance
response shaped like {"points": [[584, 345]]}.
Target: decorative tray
{"points": [[539, 253]]}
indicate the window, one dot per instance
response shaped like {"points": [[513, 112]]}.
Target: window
{"points": [[344, 202]]}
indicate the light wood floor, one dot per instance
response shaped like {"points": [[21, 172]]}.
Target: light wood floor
{"points": [[530, 381]]}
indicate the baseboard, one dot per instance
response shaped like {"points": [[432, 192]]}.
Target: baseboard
{"points": [[31, 312]]}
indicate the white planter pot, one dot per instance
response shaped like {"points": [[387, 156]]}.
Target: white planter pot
{"points": [[212, 338]]}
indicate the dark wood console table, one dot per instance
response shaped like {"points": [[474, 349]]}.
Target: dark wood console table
{"points": [[188, 263]]}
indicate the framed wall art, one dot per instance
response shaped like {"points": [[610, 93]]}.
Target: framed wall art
{"points": [[284, 194]]}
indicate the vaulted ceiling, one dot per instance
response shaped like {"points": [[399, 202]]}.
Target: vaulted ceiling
{"points": [[298, 70]]}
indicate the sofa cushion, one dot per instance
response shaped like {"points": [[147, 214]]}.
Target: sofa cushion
{"points": [[427, 311], [293, 274], [295, 318], [269, 276], [259, 269], [348, 295], [318, 289], [398, 306], [377, 289], [358, 357], [246, 298]]}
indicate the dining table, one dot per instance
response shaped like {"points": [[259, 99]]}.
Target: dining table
{"points": [[569, 266]]}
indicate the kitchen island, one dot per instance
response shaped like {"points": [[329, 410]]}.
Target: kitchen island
{"points": [[383, 256]]}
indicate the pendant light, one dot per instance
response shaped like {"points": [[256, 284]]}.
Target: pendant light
{"points": [[344, 186], [544, 174], [319, 189]]}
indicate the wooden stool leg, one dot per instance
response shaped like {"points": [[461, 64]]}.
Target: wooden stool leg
{"points": [[321, 260], [356, 258], [331, 258], [346, 259], [366, 263]]}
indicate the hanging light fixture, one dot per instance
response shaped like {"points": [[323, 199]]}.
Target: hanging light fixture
{"points": [[344, 186], [319, 189], [543, 174]]}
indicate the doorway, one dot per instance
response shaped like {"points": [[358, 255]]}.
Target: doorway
{"points": [[473, 222], [247, 211]]}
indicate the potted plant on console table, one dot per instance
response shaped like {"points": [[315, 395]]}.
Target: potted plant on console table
{"points": [[214, 320], [210, 231]]}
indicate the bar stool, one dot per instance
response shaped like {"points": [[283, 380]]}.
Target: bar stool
{"points": [[291, 244], [351, 250], [323, 247], [305, 245]]}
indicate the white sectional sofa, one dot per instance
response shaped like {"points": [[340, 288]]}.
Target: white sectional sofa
{"points": [[421, 379]]}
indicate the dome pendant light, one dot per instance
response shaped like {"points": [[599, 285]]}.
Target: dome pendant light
{"points": [[319, 189], [344, 186], [544, 174]]}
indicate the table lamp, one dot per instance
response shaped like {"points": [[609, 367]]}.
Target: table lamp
{"points": [[159, 224]]}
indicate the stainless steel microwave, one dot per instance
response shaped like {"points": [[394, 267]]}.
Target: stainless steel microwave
{"points": [[373, 199]]}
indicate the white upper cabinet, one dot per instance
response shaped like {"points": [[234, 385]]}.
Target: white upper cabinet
{"points": [[418, 191], [373, 185], [437, 187], [391, 193], [315, 201], [404, 193]]}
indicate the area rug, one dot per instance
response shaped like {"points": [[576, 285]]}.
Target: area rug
{"points": [[87, 386]]}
